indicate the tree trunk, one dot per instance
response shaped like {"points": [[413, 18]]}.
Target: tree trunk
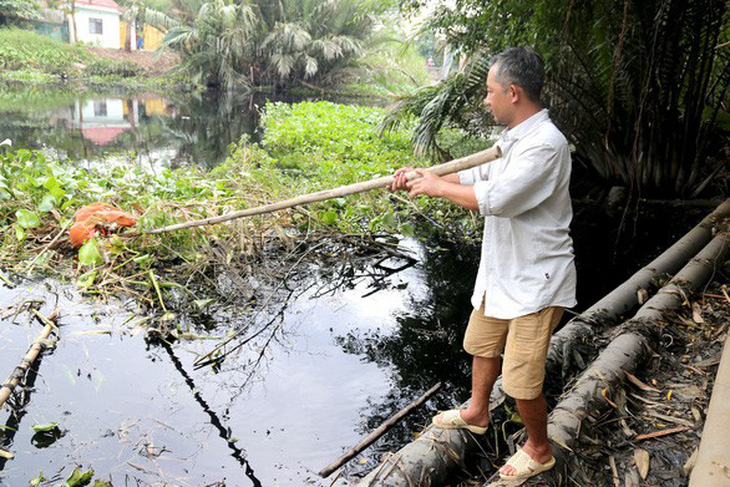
{"points": [[629, 348]]}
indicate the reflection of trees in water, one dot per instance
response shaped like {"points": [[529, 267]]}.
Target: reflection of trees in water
{"points": [[209, 123], [425, 347]]}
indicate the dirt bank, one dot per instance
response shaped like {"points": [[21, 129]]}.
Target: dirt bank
{"points": [[155, 63]]}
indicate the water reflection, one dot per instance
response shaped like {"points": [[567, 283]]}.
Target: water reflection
{"points": [[146, 128]]}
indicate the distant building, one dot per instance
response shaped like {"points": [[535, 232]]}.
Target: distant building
{"points": [[97, 23]]}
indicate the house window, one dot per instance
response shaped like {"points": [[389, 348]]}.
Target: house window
{"points": [[95, 26], [100, 108]]}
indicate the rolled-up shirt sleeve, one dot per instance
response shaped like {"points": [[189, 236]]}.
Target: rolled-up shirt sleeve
{"points": [[530, 179], [470, 176]]}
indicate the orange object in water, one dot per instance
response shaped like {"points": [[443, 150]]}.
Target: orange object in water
{"points": [[98, 217]]}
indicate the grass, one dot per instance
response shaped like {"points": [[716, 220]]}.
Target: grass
{"points": [[30, 58]]}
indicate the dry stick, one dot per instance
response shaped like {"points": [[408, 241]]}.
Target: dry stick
{"points": [[369, 439], [35, 349], [29, 267], [450, 167]]}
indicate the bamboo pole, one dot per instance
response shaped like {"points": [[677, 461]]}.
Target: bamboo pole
{"points": [[35, 349], [450, 167], [380, 431]]}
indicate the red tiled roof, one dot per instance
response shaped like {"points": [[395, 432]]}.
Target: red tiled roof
{"points": [[100, 3], [101, 136]]}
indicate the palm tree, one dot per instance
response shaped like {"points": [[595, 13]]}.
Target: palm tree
{"points": [[284, 42], [217, 43], [639, 87]]}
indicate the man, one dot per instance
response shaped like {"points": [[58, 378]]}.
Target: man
{"points": [[526, 274]]}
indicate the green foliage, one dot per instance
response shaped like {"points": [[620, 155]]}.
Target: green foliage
{"points": [[31, 58], [321, 145], [44, 428], [89, 254], [14, 11], [107, 67], [639, 87], [21, 49], [307, 147], [258, 43], [79, 478]]}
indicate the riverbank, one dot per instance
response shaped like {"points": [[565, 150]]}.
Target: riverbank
{"points": [[26, 57]]}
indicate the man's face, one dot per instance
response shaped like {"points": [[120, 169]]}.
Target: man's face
{"points": [[499, 99]]}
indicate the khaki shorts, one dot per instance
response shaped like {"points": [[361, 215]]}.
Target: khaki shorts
{"points": [[525, 342]]}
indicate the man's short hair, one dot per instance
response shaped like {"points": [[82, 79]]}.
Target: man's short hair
{"points": [[523, 67]]}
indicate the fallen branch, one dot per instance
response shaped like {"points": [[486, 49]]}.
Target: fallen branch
{"points": [[35, 349], [380, 431], [657, 434]]}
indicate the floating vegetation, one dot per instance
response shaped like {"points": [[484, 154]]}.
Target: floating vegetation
{"points": [[307, 147]]}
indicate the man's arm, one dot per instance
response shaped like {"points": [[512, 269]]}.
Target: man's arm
{"points": [[429, 184]]}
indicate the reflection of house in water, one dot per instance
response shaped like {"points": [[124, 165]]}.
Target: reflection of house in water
{"points": [[102, 120]]}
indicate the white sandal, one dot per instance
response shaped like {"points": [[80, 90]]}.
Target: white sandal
{"points": [[452, 420], [525, 466]]}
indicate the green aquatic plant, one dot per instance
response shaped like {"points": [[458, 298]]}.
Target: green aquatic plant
{"points": [[306, 147]]}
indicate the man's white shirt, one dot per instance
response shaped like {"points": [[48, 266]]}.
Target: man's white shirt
{"points": [[527, 260]]}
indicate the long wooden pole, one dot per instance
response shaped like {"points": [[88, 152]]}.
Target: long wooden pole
{"points": [[369, 439], [450, 167], [35, 349]]}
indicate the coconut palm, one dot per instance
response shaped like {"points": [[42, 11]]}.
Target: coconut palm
{"points": [[217, 43], [284, 42]]}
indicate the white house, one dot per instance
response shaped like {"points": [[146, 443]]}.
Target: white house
{"points": [[97, 23]]}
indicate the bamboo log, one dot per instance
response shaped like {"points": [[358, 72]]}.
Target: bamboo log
{"points": [[35, 349], [628, 349], [622, 300], [450, 167], [377, 433], [433, 453]]}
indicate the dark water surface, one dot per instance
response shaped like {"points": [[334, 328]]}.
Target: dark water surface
{"points": [[329, 365]]}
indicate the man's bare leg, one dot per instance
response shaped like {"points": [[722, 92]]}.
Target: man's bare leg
{"points": [[484, 374], [534, 415]]}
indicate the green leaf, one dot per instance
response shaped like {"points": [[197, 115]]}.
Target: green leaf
{"points": [[19, 233], [47, 203], [390, 220], [407, 229], [86, 279], [78, 478], [142, 259], [329, 217], [44, 428], [102, 483], [37, 481], [89, 253], [6, 454], [27, 218]]}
